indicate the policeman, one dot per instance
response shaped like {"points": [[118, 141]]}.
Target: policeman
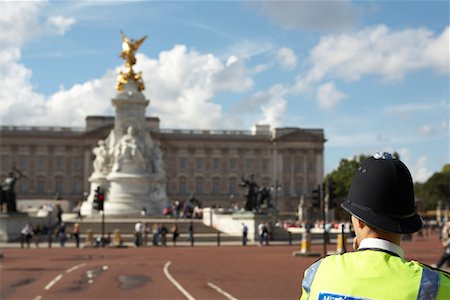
{"points": [[381, 204]]}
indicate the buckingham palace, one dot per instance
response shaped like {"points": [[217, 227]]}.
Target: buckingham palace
{"points": [[57, 161]]}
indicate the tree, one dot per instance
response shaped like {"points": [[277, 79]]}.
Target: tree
{"points": [[436, 188]]}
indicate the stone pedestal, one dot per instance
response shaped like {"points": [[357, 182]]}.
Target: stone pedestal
{"points": [[129, 193], [12, 223], [232, 222]]}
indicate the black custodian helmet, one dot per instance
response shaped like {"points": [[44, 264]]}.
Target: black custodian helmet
{"points": [[382, 195]]}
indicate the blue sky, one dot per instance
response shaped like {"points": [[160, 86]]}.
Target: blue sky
{"points": [[373, 74]]}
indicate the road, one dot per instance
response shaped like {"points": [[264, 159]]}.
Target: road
{"points": [[227, 272]]}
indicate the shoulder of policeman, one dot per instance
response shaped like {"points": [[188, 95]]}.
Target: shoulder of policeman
{"points": [[443, 272]]}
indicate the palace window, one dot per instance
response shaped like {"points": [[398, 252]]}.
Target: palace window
{"points": [[216, 185], [59, 184], [286, 164], [183, 163], [77, 184], [199, 163], [23, 186], [183, 186], [40, 184], [298, 165], [77, 164], [199, 186], [216, 164], [265, 165], [249, 164], [23, 163], [59, 163], [232, 164], [40, 164], [232, 186]]}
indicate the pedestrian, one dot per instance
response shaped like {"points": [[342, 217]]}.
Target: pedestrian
{"points": [[163, 233], [59, 213], [76, 234], [25, 235], [191, 233], [244, 234], [61, 234], [138, 234], [261, 233], [175, 234], [155, 234], [266, 233], [36, 235], [381, 205]]}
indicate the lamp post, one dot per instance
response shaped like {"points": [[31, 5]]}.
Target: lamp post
{"points": [[49, 227], [275, 188]]}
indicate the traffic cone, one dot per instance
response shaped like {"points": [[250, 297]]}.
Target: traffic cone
{"points": [[89, 238], [117, 240], [306, 243]]}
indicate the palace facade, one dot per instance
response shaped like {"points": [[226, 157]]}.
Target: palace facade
{"points": [[58, 161]]}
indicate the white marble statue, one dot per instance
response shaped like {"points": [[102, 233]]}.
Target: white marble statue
{"points": [[101, 158], [129, 149]]}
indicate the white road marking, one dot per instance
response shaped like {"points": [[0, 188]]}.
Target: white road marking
{"points": [[219, 290], [38, 298], [75, 267], [51, 283], [58, 278], [175, 283]]}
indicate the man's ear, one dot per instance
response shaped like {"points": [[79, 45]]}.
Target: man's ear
{"points": [[360, 223]]}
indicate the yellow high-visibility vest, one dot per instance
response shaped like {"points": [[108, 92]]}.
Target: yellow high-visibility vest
{"points": [[373, 274]]}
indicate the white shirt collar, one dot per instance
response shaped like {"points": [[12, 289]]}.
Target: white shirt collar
{"points": [[381, 244]]}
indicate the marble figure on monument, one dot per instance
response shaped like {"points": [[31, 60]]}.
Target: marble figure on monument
{"points": [[101, 158], [129, 149]]}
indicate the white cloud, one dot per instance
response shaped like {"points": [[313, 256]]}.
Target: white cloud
{"points": [[181, 84], [275, 107], [426, 130], [20, 22], [374, 51], [380, 51], [286, 58], [59, 24], [316, 15], [328, 96], [271, 103], [419, 170]]}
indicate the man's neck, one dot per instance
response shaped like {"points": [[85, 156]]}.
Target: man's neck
{"points": [[378, 243]]}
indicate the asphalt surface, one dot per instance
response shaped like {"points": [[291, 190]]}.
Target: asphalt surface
{"points": [[226, 272]]}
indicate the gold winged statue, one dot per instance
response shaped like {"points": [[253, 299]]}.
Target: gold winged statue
{"points": [[129, 48]]}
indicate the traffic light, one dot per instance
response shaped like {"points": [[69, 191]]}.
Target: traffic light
{"points": [[99, 199], [331, 189], [316, 196]]}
